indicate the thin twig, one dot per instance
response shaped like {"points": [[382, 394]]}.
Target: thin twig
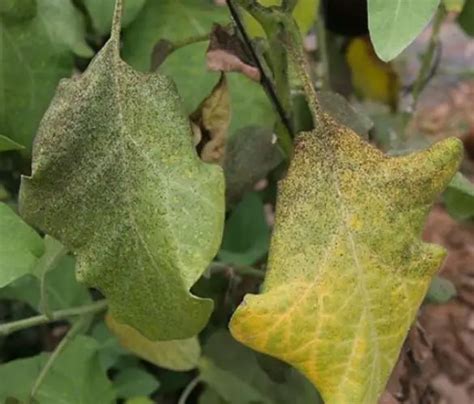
{"points": [[96, 307], [266, 82], [188, 390], [427, 58], [75, 329]]}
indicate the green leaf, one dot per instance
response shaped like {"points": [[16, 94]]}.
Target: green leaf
{"points": [[347, 269], [134, 382], [441, 291], [455, 6], [63, 290], [459, 198], [251, 154], [54, 251], [466, 18], [117, 180], [36, 54], [7, 144], [247, 234], [179, 355], [110, 350], [20, 246], [233, 372], [178, 21], [393, 25], [18, 10], [75, 377], [139, 400], [101, 13], [304, 13]]}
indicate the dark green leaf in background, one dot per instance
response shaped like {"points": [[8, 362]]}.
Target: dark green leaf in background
{"points": [[35, 55], [134, 382], [20, 246], [76, 377], [466, 18], [459, 198], [441, 291], [101, 12], [247, 234]]}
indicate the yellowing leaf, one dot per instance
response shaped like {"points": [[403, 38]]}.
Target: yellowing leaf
{"points": [[304, 13], [372, 78], [117, 180], [212, 117], [347, 269], [179, 355]]}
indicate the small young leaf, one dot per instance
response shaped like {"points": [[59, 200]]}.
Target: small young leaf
{"points": [[459, 198], [394, 24], [116, 179], [134, 382], [179, 355], [441, 291], [76, 377], [466, 18], [247, 234], [20, 246], [346, 262], [7, 144]]}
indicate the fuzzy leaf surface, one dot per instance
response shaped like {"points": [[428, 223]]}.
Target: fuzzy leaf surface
{"points": [[347, 269], [116, 179]]}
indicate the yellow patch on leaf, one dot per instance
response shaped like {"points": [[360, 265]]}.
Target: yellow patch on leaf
{"points": [[179, 355], [347, 268]]}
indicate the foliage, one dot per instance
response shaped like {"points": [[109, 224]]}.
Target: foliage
{"points": [[155, 189]]}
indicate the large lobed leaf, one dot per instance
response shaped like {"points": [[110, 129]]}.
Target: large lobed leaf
{"points": [[347, 269], [116, 179]]}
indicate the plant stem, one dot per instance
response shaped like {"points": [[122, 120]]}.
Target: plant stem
{"points": [[427, 58], [188, 390], [219, 267], [323, 51], [282, 105], [75, 329], [96, 307]]}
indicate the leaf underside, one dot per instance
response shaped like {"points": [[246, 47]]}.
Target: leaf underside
{"points": [[116, 179], [347, 269]]}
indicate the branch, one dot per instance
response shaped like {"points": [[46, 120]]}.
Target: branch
{"points": [[219, 267], [288, 5], [428, 56], [189, 389], [260, 11], [75, 329], [96, 307]]}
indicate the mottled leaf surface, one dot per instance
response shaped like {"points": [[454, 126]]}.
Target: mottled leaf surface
{"points": [[394, 24], [36, 53], [347, 269], [116, 179]]}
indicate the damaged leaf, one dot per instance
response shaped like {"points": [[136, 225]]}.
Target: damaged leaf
{"points": [[226, 54], [212, 120], [347, 269], [116, 179]]}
